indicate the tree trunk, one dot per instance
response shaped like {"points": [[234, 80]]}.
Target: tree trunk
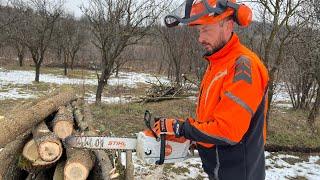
{"points": [[20, 58], [73, 56], [101, 83], [314, 111], [49, 145], [65, 64], [100, 87], [117, 70], [79, 164], [63, 122], [16, 124], [38, 65]]}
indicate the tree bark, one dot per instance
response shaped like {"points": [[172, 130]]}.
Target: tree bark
{"points": [[38, 65], [49, 145], [65, 64], [63, 122], [314, 111], [9, 158], [14, 125], [20, 58], [79, 164], [101, 84]]}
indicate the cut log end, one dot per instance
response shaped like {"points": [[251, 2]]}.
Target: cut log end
{"points": [[50, 151], [76, 171], [63, 129], [30, 157]]}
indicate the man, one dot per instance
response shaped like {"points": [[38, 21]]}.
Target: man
{"points": [[229, 127]]}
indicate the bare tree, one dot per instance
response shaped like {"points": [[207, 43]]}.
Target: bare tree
{"points": [[69, 37], [37, 26], [180, 50], [116, 24], [280, 22], [312, 39]]}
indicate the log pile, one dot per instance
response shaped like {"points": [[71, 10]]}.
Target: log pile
{"points": [[32, 140]]}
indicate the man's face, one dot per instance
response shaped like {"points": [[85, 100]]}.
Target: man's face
{"points": [[214, 36]]}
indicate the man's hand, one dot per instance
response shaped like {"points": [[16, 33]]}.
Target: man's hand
{"points": [[168, 126]]}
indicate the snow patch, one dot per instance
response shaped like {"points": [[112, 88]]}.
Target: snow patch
{"points": [[277, 168], [14, 94], [128, 79], [91, 98]]}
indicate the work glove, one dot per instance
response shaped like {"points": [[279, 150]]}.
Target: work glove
{"points": [[169, 126]]}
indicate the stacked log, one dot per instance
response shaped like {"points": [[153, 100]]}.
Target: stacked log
{"points": [[32, 138]]}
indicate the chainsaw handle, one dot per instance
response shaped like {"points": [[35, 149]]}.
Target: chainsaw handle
{"points": [[147, 121], [162, 149]]}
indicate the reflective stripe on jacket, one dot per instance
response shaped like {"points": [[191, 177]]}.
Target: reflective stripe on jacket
{"points": [[230, 124]]}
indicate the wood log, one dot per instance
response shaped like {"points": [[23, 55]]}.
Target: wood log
{"points": [[79, 164], [63, 122], [79, 115], [49, 145], [30, 159], [59, 173], [12, 126], [9, 157]]}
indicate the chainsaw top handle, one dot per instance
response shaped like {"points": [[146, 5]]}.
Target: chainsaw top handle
{"points": [[147, 121], [162, 138]]}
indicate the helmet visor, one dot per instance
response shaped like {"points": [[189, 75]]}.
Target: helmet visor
{"points": [[192, 10]]}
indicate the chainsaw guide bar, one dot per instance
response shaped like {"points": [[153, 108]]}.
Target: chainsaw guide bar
{"points": [[100, 142]]}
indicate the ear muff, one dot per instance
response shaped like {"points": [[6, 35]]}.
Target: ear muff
{"points": [[242, 13]]}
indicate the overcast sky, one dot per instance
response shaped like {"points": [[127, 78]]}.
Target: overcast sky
{"points": [[72, 6]]}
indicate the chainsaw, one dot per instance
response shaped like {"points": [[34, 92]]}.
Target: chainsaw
{"points": [[149, 147]]}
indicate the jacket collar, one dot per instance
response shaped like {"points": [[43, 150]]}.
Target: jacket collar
{"points": [[223, 52]]}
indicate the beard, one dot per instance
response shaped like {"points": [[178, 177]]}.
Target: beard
{"points": [[213, 48]]}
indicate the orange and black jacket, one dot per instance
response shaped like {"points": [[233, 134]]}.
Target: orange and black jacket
{"points": [[230, 128]]}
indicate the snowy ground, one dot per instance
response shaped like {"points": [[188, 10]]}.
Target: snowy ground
{"points": [[278, 167], [12, 83]]}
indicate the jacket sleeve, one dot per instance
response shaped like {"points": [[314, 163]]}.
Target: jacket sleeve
{"points": [[242, 92]]}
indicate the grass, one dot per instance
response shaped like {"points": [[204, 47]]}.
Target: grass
{"points": [[127, 119], [289, 128]]}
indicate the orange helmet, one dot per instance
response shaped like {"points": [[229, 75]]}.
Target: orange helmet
{"points": [[201, 12]]}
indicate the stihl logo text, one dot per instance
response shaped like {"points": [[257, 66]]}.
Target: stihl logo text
{"points": [[117, 143]]}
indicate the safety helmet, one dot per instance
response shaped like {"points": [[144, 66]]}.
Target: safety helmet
{"points": [[201, 12]]}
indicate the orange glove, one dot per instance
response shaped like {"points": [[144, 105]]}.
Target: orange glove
{"points": [[168, 126]]}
